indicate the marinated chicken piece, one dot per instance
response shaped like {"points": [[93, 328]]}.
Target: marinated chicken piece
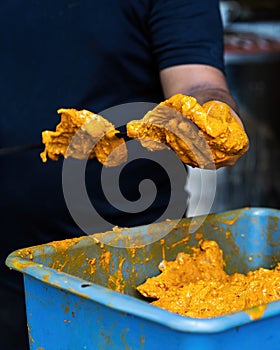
{"points": [[205, 263], [196, 285], [83, 134], [207, 136]]}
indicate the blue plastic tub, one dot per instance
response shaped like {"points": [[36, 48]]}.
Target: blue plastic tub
{"points": [[80, 294]]}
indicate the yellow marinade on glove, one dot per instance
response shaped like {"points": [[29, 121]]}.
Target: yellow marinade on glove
{"points": [[207, 136], [83, 134]]}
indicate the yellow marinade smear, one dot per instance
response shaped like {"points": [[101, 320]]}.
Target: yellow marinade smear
{"points": [[83, 134], [202, 136], [196, 285]]}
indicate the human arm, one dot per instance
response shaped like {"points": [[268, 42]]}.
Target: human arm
{"points": [[203, 82], [219, 126]]}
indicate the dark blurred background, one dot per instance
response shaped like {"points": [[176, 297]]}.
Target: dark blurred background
{"points": [[252, 57]]}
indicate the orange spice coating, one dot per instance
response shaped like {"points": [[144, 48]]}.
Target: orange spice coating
{"points": [[83, 134], [207, 136], [196, 285]]}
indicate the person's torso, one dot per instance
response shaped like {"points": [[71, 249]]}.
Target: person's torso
{"points": [[83, 54]]}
